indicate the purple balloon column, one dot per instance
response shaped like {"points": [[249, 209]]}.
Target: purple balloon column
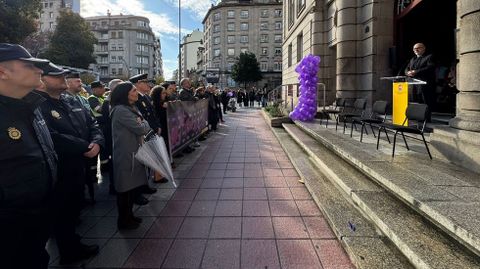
{"points": [[307, 102]]}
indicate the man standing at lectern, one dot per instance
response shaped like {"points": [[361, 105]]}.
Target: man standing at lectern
{"points": [[422, 67]]}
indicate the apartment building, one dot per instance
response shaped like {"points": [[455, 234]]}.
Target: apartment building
{"points": [[51, 10], [235, 26], [126, 46]]}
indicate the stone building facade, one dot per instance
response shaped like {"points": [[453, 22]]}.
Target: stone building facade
{"points": [[188, 51], [235, 26], [51, 11], [126, 46], [360, 41]]}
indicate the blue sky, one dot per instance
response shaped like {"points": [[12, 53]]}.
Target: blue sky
{"points": [[163, 15]]}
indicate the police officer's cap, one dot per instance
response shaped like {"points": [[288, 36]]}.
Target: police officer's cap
{"points": [[9, 52], [96, 84], [54, 70], [73, 75], [138, 78]]}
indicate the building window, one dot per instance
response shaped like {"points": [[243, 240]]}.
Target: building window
{"points": [[300, 6], [277, 66], [264, 26], [51, 15], [263, 66], [263, 38], [216, 28], [278, 13], [264, 51], [244, 26], [244, 14], [231, 52], [216, 16], [278, 39], [120, 34], [231, 14], [51, 4], [142, 24], [120, 57], [113, 58], [216, 40], [114, 71], [142, 60], [216, 52], [113, 47], [142, 48], [278, 25], [120, 71], [244, 39], [299, 47], [120, 46], [291, 12], [104, 23], [230, 39], [278, 51], [231, 26], [50, 25], [264, 13], [290, 55]]}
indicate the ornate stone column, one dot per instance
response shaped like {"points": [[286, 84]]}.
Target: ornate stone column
{"points": [[460, 143]]}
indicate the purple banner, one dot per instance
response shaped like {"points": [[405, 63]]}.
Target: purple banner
{"points": [[186, 120]]}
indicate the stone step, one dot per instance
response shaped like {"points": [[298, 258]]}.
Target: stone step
{"points": [[446, 194], [422, 243], [365, 246]]}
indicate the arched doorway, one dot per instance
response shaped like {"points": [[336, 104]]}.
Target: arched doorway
{"points": [[433, 23]]}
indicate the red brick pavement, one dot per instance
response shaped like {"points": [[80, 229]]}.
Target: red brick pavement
{"points": [[239, 205]]}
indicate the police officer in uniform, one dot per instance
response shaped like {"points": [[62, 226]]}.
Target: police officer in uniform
{"points": [[145, 106], [27, 161], [76, 136]]}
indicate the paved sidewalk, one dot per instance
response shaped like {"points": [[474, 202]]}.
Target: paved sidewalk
{"points": [[239, 205]]}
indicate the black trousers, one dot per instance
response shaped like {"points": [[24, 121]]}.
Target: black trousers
{"points": [[23, 236]]}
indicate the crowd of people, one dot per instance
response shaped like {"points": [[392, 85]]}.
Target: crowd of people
{"points": [[53, 137]]}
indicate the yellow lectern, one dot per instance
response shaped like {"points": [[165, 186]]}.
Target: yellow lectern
{"points": [[400, 96]]}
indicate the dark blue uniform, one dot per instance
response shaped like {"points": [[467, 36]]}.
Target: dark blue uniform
{"points": [[72, 129], [145, 106], [27, 177]]}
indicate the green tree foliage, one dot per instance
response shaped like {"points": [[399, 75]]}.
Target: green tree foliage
{"points": [[246, 69], [72, 42], [18, 19]]}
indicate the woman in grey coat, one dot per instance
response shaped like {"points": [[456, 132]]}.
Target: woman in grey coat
{"points": [[128, 130]]}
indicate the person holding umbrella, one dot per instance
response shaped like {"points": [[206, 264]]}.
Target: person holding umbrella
{"points": [[128, 130]]}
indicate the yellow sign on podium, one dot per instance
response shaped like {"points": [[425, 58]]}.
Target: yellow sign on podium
{"points": [[400, 102]]}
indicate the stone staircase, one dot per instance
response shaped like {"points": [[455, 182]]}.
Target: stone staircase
{"points": [[406, 212]]}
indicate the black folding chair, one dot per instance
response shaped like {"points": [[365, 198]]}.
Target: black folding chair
{"points": [[337, 108], [416, 113], [378, 115], [357, 111]]}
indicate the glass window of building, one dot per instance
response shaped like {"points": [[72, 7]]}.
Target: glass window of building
{"points": [[216, 40], [120, 70], [216, 28], [277, 66], [231, 52], [244, 39], [264, 38], [120, 35], [278, 25], [264, 13], [278, 39], [263, 66], [278, 13], [231, 26], [290, 55], [104, 23], [231, 14], [216, 16], [114, 71], [291, 12], [216, 52], [120, 46], [278, 51], [51, 15], [299, 47], [264, 51], [300, 6], [244, 26], [113, 47], [230, 39], [264, 26], [113, 35], [120, 57], [244, 14]]}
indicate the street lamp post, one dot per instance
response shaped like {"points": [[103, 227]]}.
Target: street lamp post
{"points": [[179, 42]]}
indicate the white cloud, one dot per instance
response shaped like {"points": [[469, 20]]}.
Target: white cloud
{"points": [[199, 7], [161, 23]]}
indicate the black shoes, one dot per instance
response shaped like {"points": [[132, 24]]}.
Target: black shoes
{"points": [[162, 180], [140, 200], [148, 190], [78, 253]]}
